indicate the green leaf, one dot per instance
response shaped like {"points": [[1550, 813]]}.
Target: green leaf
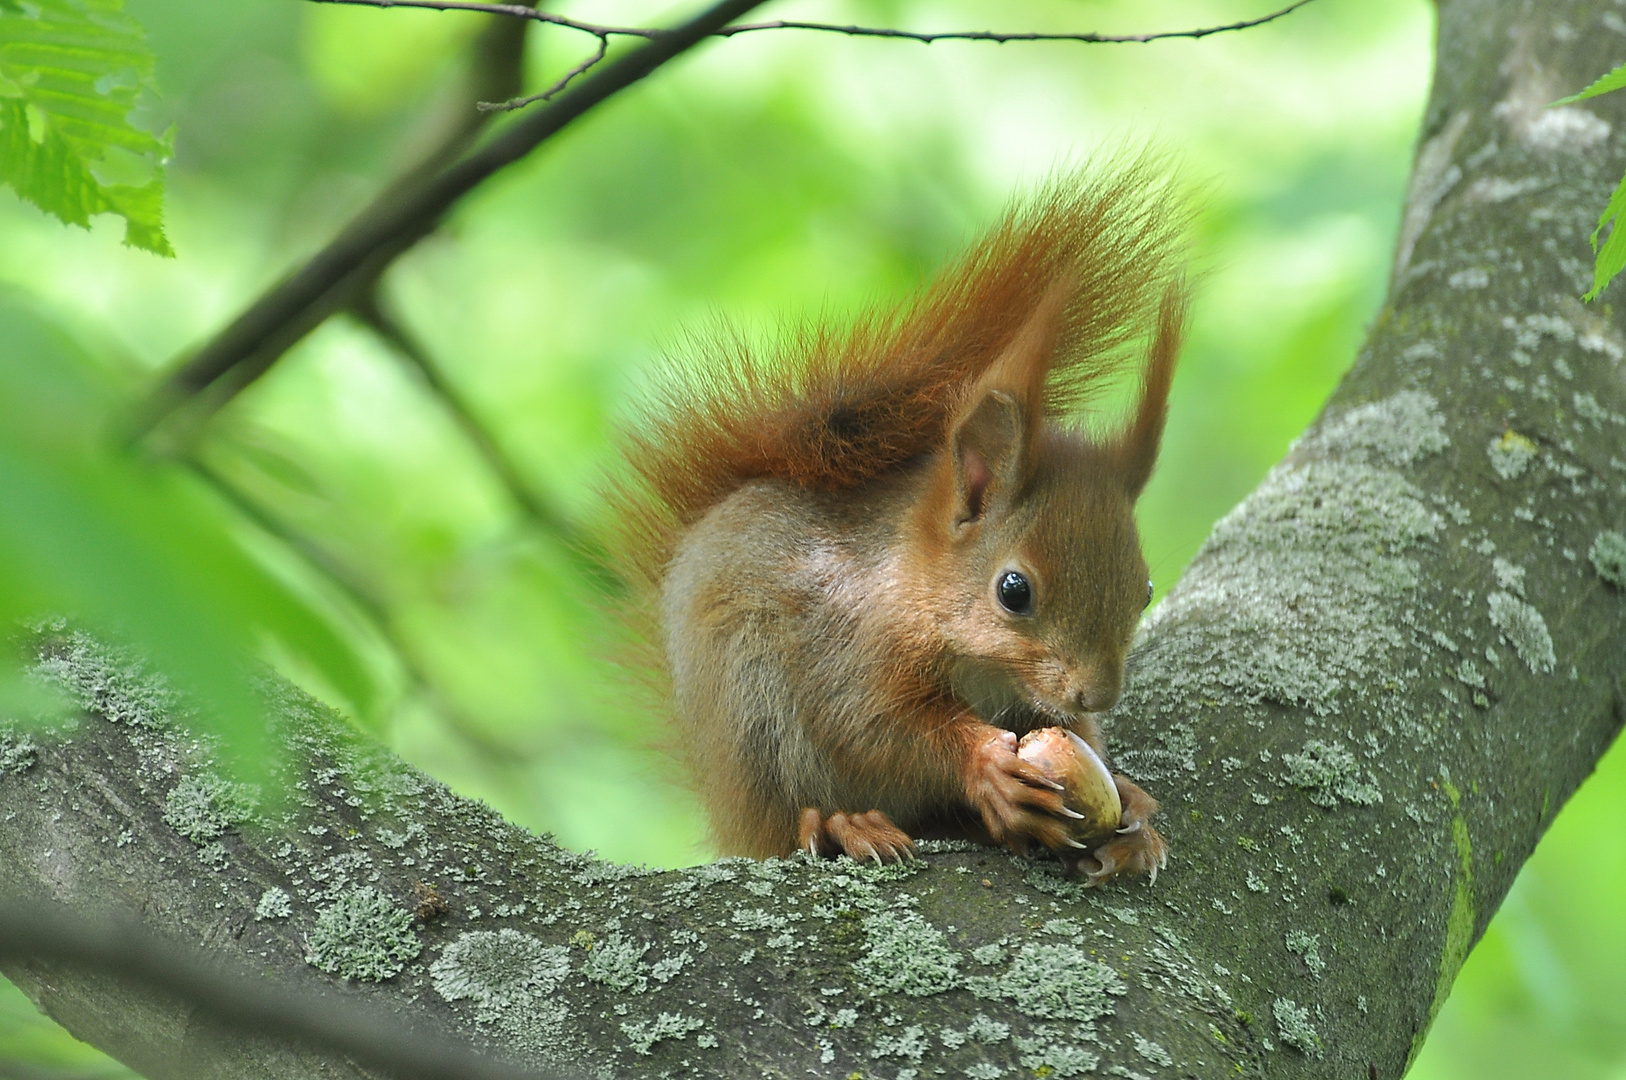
{"points": [[1615, 80], [1611, 258], [71, 72], [135, 549]]}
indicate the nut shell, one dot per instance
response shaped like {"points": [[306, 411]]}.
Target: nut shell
{"points": [[1088, 787]]}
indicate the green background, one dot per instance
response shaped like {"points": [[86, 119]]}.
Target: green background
{"points": [[769, 180]]}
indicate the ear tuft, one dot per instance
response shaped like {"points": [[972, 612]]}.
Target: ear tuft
{"points": [[1136, 449]]}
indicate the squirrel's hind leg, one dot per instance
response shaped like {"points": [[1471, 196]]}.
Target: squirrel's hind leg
{"points": [[858, 836]]}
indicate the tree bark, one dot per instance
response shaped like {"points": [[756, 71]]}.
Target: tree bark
{"points": [[1369, 695]]}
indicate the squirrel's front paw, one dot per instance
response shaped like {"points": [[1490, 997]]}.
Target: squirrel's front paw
{"points": [[859, 836], [1018, 803], [1137, 849]]}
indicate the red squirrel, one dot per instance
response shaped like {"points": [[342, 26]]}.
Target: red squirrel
{"points": [[879, 555]]}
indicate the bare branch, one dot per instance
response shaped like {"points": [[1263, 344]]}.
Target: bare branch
{"points": [[371, 312], [1000, 37], [372, 606], [251, 1004], [332, 278], [517, 11], [495, 69], [413, 207], [604, 31], [547, 95]]}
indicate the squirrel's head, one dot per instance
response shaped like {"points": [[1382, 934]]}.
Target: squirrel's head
{"points": [[1032, 531]]}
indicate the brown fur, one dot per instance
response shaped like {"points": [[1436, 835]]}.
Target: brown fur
{"points": [[823, 531], [836, 408]]}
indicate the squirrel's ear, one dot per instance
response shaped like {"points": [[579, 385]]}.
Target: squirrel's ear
{"points": [[990, 454], [1136, 449], [992, 439]]}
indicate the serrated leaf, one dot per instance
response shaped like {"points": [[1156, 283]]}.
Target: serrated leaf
{"points": [[71, 72], [1611, 257], [1615, 80]]}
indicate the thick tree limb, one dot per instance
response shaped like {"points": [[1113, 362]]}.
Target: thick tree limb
{"points": [[253, 1006], [1363, 704]]}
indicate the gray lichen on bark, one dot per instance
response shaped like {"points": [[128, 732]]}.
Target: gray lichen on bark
{"points": [[1355, 743]]}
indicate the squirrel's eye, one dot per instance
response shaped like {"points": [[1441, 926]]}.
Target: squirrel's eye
{"points": [[1148, 594], [1015, 594]]}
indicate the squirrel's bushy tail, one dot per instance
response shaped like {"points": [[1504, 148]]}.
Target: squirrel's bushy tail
{"points": [[833, 408]]}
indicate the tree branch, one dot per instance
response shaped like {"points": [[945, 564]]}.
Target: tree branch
{"points": [[336, 275], [373, 607], [496, 68], [1361, 707], [604, 31], [370, 311], [1002, 37], [563, 81], [123, 949]]}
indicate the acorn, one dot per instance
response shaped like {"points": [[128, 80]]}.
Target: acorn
{"points": [[1087, 787]]}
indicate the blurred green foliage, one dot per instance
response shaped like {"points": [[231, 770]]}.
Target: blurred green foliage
{"points": [[337, 517], [129, 547]]}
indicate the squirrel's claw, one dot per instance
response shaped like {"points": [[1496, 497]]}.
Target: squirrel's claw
{"points": [[1019, 805], [1136, 849], [858, 836], [1030, 775], [1141, 852]]}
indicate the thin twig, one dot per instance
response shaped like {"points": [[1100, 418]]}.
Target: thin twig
{"points": [[603, 31], [584, 551], [331, 279], [372, 314], [519, 12], [495, 69], [999, 37], [547, 95], [248, 1003]]}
